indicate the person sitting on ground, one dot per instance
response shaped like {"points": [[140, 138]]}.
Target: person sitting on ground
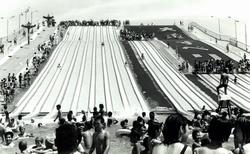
{"points": [[242, 136], [175, 127], [111, 120], [101, 138], [67, 139], [8, 139], [218, 132]]}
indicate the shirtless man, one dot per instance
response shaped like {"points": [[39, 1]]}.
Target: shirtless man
{"points": [[86, 136], [223, 81], [100, 137]]}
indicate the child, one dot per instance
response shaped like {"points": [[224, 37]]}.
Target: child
{"points": [[111, 120], [59, 113], [87, 136], [100, 138]]}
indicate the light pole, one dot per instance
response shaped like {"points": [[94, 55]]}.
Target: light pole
{"points": [[26, 11], [31, 14], [246, 35], [235, 26], [218, 26], [28, 26], [8, 27], [1, 18], [19, 22]]}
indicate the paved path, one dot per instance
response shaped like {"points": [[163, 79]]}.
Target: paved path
{"points": [[18, 56]]}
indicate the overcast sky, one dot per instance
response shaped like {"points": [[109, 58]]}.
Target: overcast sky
{"points": [[128, 9]]}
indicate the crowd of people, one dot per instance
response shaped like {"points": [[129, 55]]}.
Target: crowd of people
{"points": [[217, 66], [205, 134], [213, 66], [9, 85], [244, 64], [90, 23], [130, 35]]}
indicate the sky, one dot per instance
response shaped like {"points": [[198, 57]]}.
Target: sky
{"points": [[125, 9]]}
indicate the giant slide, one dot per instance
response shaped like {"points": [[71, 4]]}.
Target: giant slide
{"points": [[90, 74], [185, 96]]}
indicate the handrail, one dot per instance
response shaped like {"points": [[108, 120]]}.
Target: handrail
{"points": [[232, 41]]}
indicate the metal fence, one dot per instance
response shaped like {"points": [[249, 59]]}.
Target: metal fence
{"points": [[232, 41]]}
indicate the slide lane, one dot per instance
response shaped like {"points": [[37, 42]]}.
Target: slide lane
{"points": [[158, 76], [76, 104], [107, 82], [87, 75], [130, 77], [117, 99], [73, 75], [243, 80], [71, 80], [238, 89], [92, 83], [171, 78], [237, 99], [189, 89], [59, 78], [124, 80], [38, 80], [125, 103], [59, 89], [25, 100], [99, 77]]}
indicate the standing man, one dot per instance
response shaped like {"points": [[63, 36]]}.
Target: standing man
{"points": [[101, 137], [223, 81]]}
